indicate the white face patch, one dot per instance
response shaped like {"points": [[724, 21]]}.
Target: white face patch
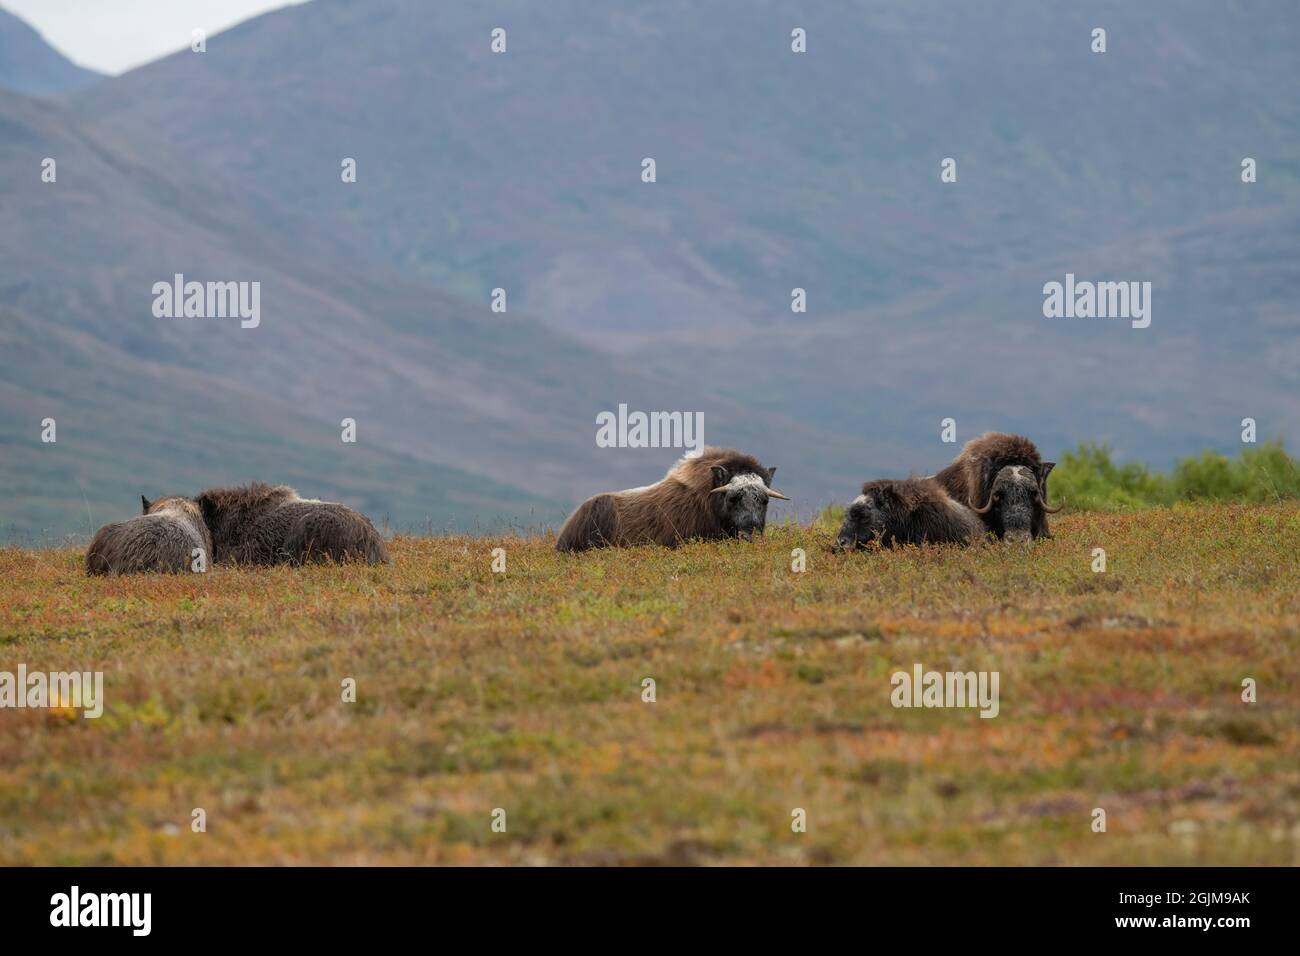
{"points": [[740, 482], [859, 500]]}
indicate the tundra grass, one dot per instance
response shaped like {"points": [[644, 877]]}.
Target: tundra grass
{"points": [[523, 692]]}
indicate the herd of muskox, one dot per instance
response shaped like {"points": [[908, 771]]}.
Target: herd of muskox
{"points": [[254, 524], [997, 486]]}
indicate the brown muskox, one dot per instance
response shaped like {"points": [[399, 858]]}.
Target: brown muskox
{"points": [[1003, 479], [169, 536], [720, 493], [269, 524], [907, 511]]}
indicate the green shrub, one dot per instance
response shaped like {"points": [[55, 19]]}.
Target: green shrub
{"points": [[1091, 481], [1262, 474], [1087, 479]]}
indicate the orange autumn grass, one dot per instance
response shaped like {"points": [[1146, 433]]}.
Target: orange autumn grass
{"points": [[523, 691]]}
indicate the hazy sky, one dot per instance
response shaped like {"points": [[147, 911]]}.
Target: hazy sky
{"points": [[113, 36]]}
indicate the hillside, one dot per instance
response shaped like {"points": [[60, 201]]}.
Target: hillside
{"points": [[819, 171], [775, 170], [137, 426], [142, 403], [523, 691], [438, 388], [30, 65]]}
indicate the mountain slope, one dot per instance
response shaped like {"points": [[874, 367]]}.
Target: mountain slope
{"points": [[30, 65], [775, 169], [819, 170], [439, 391], [127, 426]]}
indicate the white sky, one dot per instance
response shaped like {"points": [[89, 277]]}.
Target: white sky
{"points": [[113, 36]]}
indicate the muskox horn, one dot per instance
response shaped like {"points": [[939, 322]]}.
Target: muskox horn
{"points": [[771, 492], [1046, 507], [988, 506]]}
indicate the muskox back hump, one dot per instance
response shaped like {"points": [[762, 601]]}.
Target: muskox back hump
{"points": [[920, 511], [593, 525], [146, 543], [325, 531]]}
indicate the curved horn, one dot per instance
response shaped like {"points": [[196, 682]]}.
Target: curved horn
{"points": [[1046, 507], [771, 492], [988, 506]]}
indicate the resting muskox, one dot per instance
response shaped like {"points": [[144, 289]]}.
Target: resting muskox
{"points": [[721, 493], [1004, 480], [269, 524], [164, 538], [908, 511]]}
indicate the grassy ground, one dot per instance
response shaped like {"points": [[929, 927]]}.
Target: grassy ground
{"points": [[523, 691]]}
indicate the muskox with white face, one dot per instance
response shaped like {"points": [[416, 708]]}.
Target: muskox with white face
{"points": [[260, 524], [1003, 479], [719, 494], [907, 511], [170, 536]]}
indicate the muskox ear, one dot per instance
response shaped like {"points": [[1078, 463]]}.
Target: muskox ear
{"points": [[145, 505], [771, 472], [720, 476]]}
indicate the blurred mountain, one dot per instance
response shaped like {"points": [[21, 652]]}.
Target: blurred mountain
{"points": [[775, 170], [465, 418], [30, 65]]}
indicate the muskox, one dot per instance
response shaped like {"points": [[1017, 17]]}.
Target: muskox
{"points": [[259, 524], [1003, 479], [718, 494], [169, 536], [907, 511]]}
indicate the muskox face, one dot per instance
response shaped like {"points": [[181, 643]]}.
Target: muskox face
{"points": [[865, 521], [740, 500], [1016, 505]]}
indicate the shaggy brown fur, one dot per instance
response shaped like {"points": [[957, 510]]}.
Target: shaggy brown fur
{"points": [[971, 475], [270, 524], [164, 538], [677, 508], [909, 511]]}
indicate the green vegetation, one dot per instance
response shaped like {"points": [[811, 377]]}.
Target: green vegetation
{"points": [[523, 690], [1086, 479], [1089, 480]]}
